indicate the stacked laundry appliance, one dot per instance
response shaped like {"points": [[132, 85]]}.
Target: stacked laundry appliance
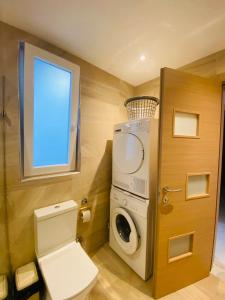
{"points": [[133, 193]]}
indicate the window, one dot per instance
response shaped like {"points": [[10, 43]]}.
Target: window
{"points": [[49, 112]]}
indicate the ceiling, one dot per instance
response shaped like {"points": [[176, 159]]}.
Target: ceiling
{"points": [[115, 34]]}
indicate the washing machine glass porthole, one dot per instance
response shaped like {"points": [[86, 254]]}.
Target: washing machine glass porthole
{"points": [[123, 228]]}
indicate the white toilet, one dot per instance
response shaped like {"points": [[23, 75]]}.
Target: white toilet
{"points": [[67, 270]]}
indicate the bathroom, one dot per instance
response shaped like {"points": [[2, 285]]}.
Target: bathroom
{"points": [[102, 97]]}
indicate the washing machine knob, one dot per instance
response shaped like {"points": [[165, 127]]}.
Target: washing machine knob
{"points": [[124, 202]]}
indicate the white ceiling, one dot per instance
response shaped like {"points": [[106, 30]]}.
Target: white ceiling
{"points": [[113, 34]]}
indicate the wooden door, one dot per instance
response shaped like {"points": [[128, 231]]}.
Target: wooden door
{"points": [[190, 124]]}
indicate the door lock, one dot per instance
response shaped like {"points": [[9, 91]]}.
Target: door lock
{"points": [[165, 200]]}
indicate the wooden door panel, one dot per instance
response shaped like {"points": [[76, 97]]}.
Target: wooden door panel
{"points": [[178, 157]]}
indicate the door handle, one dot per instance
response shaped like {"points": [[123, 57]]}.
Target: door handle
{"points": [[166, 189]]}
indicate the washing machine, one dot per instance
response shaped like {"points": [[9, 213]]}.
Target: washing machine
{"points": [[134, 154], [131, 231]]}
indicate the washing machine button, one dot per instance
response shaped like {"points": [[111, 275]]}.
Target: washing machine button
{"points": [[124, 202], [115, 199]]}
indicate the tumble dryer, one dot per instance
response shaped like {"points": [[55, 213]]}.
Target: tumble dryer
{"points": [[131, 230], [135, 156]]}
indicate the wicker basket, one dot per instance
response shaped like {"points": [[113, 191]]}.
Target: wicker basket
{"points": [[141, 107]]}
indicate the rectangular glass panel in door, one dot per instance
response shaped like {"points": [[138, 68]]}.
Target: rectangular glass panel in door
{"points": [[197, 186], [186, 124], [52, 93]]}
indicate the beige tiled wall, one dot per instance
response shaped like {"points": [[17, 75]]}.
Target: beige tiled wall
{"points": [[4, 261], [102, 97]]}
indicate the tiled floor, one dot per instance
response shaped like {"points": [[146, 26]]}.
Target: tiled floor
{"points": [[118, 282]]}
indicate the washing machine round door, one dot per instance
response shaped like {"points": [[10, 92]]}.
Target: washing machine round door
{"points": [[124, 230], [128, 152]]}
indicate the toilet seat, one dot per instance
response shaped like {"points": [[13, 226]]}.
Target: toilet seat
{"points": [[68, 271]]}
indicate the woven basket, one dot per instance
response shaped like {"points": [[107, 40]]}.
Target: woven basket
{"points": [[141, 107]]}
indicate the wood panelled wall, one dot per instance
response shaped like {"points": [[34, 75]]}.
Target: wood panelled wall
{"points": [[102, 97]]}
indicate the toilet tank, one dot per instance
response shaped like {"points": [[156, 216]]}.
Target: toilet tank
{"points": [[55, 226]]}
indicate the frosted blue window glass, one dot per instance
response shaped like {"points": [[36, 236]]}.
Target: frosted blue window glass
{"points": [[52, 86]]}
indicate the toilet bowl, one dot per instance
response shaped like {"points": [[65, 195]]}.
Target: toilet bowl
{"points": [[67, 270]]}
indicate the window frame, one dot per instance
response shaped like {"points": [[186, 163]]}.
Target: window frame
{"points": [[27, 55]]}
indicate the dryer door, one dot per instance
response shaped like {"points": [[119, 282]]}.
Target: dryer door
{"points": [[124, 230], [128, 152]]}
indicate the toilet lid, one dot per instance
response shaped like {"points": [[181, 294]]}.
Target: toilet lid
{"points": [[67, 271]]}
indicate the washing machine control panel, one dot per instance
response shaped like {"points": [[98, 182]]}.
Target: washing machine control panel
{"points": [[130, 202]]}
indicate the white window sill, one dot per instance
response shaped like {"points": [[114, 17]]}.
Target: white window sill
{"points": [[49, 176]]}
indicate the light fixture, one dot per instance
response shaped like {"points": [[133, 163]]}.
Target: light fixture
{"points": [[142, 57]]}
